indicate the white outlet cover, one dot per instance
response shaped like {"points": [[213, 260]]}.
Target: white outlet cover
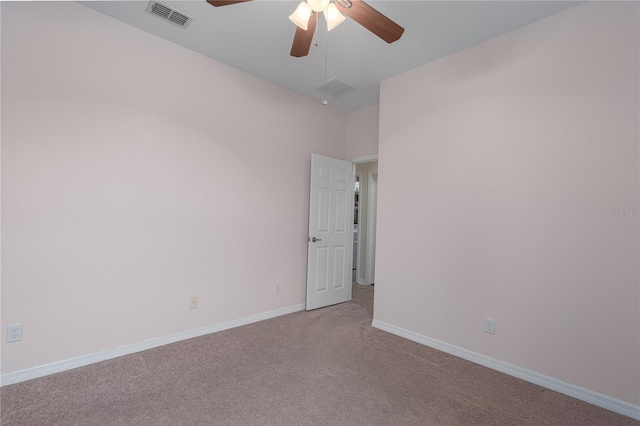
{"points": [[193, 302], [14, 333], [490, 326]]}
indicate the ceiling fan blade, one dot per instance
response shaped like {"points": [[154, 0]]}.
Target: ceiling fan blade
{"points": [[302, 40], [373, 20], [224, 3]]}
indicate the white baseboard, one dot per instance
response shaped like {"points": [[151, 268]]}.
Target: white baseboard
{"points": [[81, 361], [595, 398], [361, 282]]}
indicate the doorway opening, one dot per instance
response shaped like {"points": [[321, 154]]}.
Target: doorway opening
{"points": [[364, 226]]}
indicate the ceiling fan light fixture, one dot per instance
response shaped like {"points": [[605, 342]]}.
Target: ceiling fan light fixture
{"points": [[333, 16], [318, 5], [301, 15]]}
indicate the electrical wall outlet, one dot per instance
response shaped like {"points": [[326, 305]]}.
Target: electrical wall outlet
{"points": [[276, 288], [490, 326], [14, 333], [193, 302]]}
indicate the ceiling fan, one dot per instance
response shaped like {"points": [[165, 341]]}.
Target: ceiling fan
{"points": [[307, 13]]}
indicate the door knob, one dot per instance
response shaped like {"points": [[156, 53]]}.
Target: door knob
{"points": [[314, 239]]}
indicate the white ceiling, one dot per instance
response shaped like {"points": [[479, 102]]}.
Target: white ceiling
{"points": [[256, 37]]}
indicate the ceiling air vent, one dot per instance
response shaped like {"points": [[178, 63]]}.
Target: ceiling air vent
{"points": [[165, 12], [336, 88]]}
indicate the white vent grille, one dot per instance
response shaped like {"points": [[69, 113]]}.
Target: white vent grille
{"points": [[336, 88], [165, 12]]}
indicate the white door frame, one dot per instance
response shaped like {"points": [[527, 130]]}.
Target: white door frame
{"points": [[372, 214], [362, 278], [357, 264]]}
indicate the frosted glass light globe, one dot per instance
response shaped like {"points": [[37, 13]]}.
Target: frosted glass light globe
{"points": [[301, 16], [333, 16]]}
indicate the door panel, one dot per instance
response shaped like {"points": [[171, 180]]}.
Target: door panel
{"points": [[341, 216], [322, 267], [330, 216], [339, 262], [323, 210]]}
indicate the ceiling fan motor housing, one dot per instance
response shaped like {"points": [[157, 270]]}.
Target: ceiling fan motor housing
{"points": [[318, 5]]}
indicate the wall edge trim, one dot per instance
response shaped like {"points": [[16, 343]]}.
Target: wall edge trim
{"points": [[365, 159], [586, 395], [81, 361]]}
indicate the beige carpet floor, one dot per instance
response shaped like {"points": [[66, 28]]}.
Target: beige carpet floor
{"points": [[325, 367], [363, 295]]}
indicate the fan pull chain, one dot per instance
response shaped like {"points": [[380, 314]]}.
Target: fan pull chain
{"points": [[326, 56]]}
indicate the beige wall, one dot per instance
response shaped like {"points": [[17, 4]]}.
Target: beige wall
{"points": [[362, 133], [135, 174], [507, 157]]}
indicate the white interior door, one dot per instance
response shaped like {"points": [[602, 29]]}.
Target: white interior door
{"points": [[330, 250]]}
